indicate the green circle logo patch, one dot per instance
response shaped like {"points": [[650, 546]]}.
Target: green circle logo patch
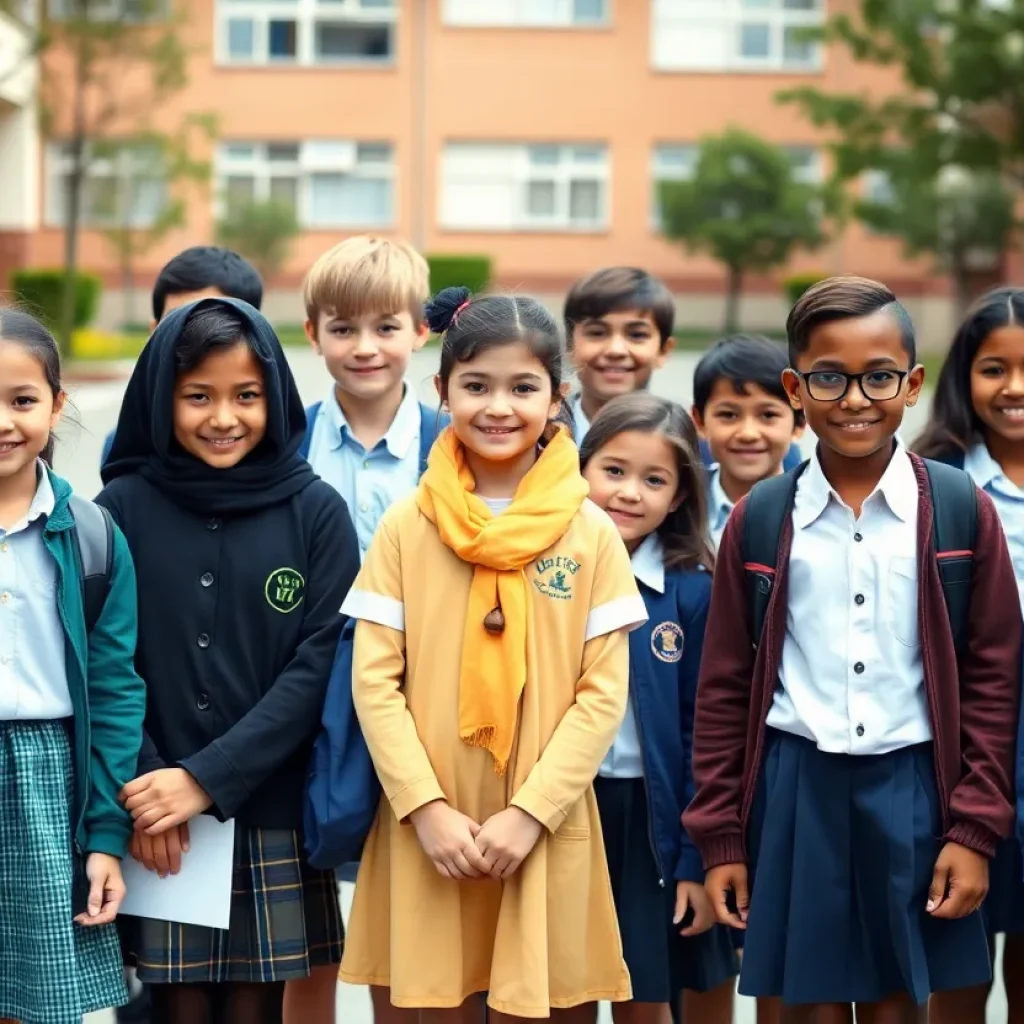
{"points": [[284, 590]]}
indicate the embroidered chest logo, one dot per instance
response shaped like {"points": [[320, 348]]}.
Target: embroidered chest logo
{"points": [[667, 641], [284, 590], [554, 576]]}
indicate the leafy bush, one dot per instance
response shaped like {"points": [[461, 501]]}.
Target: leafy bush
{"points": [[796, 284], [472, 272], [261, 231], [41, 293]]}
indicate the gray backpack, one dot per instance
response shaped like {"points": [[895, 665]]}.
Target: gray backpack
{"points": [[94, 547]]}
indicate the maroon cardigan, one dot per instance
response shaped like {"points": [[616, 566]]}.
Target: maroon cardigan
{"points": [[973, 714]]}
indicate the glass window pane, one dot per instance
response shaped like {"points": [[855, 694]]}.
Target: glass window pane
{"points": [[239, 151], [351, 41], [146, 198], [100, 200], [339, 200], [755, 40], [283, 39], [584, 202], [239, 189], [285, 190], [540, 199], [241, 38], [376, 5], [802, 5], [378, 153], [588, 11], [795, 48], [283, 152], [588, 154], [544, 156]]}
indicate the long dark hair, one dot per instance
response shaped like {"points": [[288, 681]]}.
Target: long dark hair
{"points": [[953, 424], [684, 532], [21, 328]]}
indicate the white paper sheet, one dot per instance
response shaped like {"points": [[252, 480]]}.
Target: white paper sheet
{"points": [[200, 893]]}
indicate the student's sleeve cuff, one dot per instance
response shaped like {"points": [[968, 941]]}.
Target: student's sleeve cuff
{"points": [[373, 607]]}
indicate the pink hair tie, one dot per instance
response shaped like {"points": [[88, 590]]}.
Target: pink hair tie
{"points": [[455, 315]]}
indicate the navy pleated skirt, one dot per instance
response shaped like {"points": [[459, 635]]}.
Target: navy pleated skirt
{"points": [[660, 960], [1004, 905], [842, 850]]}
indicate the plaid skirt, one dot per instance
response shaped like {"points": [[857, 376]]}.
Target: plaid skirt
{"points": [[285, 920], [52, 971]]}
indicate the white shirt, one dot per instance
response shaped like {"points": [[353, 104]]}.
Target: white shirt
{"points": [[33, 679], [851, 677], [719, 506], [625, 760]]}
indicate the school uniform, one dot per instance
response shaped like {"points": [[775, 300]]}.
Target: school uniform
{"points": [[720, 506], [243, 572], [71, 710], [645, 782], [863, 748]]}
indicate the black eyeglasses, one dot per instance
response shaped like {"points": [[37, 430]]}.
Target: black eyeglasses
{"points": [[832, 385]]}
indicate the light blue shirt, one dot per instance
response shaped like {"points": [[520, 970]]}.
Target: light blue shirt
{"points": [[625, 760], [719, 506], [33, 680], [1008, 499], [580, 423], [369, 481]]}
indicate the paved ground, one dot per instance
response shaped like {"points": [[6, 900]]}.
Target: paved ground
{"points": [[77, 458]]}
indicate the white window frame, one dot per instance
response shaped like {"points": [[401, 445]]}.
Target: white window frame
{"points": [[732, 15], [522, 170], [306, 14], [110, 10], [520, 14], [118, 165], [307, 163]]}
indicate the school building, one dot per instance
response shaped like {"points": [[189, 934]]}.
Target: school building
{"points": [[534, 131]]}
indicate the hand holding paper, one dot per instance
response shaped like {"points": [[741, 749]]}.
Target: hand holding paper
{"points": [[160, 800]]}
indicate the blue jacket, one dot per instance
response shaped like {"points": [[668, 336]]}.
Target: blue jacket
{"points": [[664, 692]]}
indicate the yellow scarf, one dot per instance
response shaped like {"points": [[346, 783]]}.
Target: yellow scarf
{"points": [[499, 548]]}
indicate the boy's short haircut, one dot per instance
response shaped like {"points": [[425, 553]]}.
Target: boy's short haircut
{"points": [[619, 288], [845, 298], [364, 275], [743, 359], [207, 266]]}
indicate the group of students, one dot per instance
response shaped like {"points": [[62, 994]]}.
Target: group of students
{"points": [[632, 741]]}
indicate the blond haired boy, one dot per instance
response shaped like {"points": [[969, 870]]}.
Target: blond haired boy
{"points": [[370, 435]]}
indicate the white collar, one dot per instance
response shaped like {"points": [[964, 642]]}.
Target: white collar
{"points": [[404, 429], [43, 501], [648, 563], [720, 501]]}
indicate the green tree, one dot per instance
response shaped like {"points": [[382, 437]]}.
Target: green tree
{"points": [[260, 231], [949, 138], [744, 207]]}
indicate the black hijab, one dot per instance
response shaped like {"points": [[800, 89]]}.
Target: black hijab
{"points": [[145, 444]]}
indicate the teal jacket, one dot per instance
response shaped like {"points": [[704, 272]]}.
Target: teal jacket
{"points": [[108, 698]]}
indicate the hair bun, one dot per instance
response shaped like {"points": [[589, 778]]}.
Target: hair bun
{"points": [[441, 309]]}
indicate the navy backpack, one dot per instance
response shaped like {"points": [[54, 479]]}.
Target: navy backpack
{"points": [[342, 789]]}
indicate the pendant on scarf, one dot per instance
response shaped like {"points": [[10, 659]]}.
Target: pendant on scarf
{"points": [[494, 622]]}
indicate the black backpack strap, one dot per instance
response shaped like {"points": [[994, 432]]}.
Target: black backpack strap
{"points": [[954, 534], [94, 543], [768, 504]]}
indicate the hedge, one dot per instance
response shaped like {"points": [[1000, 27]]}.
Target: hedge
{"points": [[41, 293], [797, 284], [472, 272]]}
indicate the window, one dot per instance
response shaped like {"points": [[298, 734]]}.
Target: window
{"points": [[678, 161], [135, 11], [330, 183], [502, 187], [735, 35], [527, 13], [305, 32], [123, 188]]}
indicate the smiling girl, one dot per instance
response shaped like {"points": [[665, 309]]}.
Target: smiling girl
{"points": [[244, 557], [488, 709]]}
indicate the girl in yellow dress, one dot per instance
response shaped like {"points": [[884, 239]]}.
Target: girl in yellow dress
{"points": [[490, 677]]}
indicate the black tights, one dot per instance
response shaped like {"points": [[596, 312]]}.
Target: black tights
{"points": [[228, 1003]]}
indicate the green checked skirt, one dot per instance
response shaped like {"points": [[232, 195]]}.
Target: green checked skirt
{"points": [[52, 971], [285, 920]]}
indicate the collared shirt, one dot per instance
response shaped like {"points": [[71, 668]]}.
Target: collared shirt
{"points": [[33, 680], [580, 423], [720, 506], [1008, 499], [851, 677], [625, 760], [369, 481]]}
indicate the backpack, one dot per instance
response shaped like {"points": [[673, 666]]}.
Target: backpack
{"points": [[94, 552], [954, 531], [342, 788], [431, 424]]}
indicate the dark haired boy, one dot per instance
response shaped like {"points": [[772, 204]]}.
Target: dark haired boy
{"points": [[618, 328], [200, 272], [743, 414]]}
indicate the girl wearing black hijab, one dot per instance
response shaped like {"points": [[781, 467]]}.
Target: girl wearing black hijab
{"points": [[243, 557]]}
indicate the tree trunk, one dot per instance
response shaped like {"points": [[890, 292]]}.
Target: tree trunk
{"points": [[962, 291], [73, 210], [733, 289]]}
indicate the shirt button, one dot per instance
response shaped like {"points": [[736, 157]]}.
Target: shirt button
{"points": [[364, 507], [212, 524], [206, 579], [858, 537], [859, 667], [859, 599], [203, 640], [860, 730], [5, 547], [5, 597], [203, 703]]}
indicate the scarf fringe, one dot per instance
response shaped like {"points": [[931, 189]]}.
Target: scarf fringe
{"points": [[484, 737]]}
